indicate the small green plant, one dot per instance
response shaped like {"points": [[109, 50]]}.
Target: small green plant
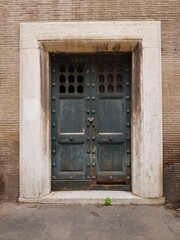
{"points": [[107, 201]]}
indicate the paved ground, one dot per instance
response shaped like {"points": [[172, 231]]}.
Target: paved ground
{"points": [[58, 222]]}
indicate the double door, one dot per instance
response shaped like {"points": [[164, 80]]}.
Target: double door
{"points": [[90, 105]]}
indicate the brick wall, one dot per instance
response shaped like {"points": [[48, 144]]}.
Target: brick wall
{"points": [[12, 12]]}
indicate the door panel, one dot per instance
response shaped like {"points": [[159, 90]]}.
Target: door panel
{"points": [[109, 114], [108, 158], [68, 120], [90, 122], [72, 164], [111, 117]]}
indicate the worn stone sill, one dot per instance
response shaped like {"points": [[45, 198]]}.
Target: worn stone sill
{"points": [[93, 197]]}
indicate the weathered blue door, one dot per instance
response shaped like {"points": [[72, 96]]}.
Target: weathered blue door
{"points": [[90, 121]]}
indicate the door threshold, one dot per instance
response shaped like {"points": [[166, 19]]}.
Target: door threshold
{"points": [[93, 198]]}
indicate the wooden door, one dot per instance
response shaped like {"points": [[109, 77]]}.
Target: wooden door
{"points": [[90, 121]]}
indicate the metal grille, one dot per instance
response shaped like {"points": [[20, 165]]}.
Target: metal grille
{"points": [[110, 79], [71, 79]]}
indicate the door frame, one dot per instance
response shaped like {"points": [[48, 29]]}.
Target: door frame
{"points": [[143, 39]]}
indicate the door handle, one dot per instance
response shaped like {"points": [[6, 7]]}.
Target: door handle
{"points": [[90, 119]]}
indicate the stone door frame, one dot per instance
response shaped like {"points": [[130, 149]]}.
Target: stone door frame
{"points": [[141, 38]]}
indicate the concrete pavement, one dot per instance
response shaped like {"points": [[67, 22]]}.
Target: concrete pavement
{"points": [[62, 222]]}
